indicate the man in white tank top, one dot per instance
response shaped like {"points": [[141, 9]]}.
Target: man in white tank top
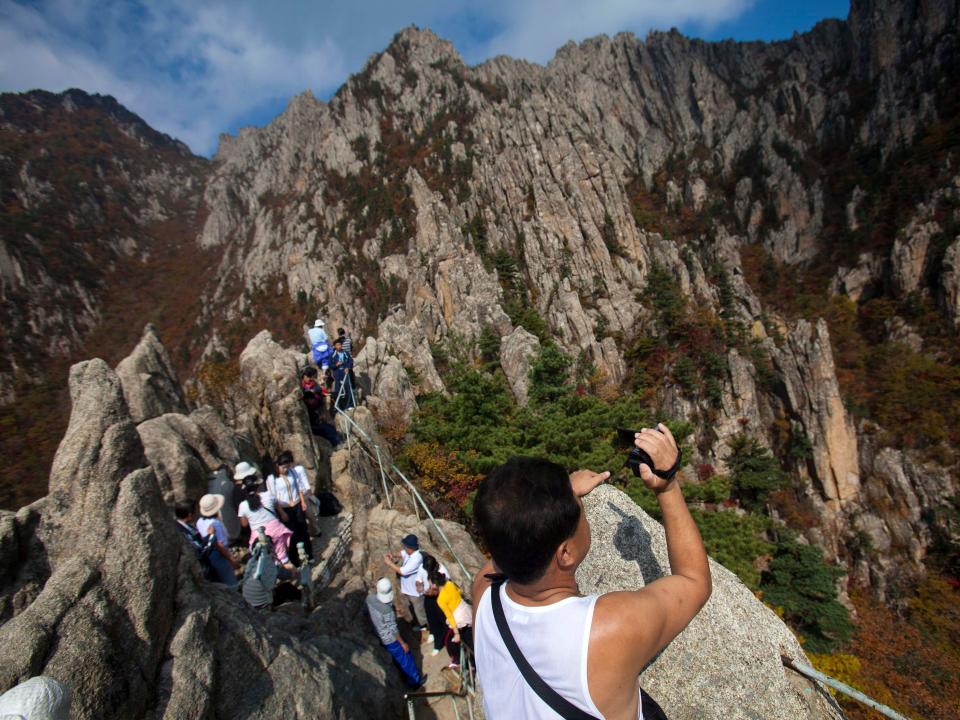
{"points": [[590, 650]]}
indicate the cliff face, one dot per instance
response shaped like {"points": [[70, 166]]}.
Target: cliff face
{"points": [[428, 204], [91, 196]]}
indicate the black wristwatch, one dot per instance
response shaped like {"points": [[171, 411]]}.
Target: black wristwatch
{"points": [[669, 474]]}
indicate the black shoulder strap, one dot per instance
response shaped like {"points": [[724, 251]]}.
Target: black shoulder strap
{"points": [[563, 707]]}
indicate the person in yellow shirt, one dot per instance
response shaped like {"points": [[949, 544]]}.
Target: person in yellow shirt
{"points": [[458, 613]]}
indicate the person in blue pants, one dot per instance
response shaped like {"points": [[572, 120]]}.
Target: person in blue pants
{"points": [[384, 618], [341, 363]]}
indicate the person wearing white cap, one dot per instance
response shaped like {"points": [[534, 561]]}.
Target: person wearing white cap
{"points": [[384, 618], [222, 560], [319, 344]]}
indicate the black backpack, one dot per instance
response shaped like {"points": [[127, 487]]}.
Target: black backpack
{"points": [[202, 547]]}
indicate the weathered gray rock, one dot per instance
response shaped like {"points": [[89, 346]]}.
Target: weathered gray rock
{"points": [[386, 381], [150, 383], [517, 350], [854, 282], [274, 416], [950, 283], [180, 471], [806, 365], [99, 592], [726, 664], [908, 258]]}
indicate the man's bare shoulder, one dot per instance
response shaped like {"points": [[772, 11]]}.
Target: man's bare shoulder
{"points": [[630, 623]]}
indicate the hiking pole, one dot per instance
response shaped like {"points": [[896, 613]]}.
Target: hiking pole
{"points": [[841, 687]]}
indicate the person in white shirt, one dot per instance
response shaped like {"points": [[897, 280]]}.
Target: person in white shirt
{"points": [[587, 651], [407, 565], [319, 345], [224, 563], [290, 489], [258, 511]]}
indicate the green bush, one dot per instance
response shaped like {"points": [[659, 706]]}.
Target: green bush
{"points": [[549, 375], [799, 582], [754, 471], [735, 541]]}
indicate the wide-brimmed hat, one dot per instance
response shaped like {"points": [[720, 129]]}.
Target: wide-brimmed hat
{"points": [[411, 542], [210, 505], [318, 323], [244, 470], [384, 591]]}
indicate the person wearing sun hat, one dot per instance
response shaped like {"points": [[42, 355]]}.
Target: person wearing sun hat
{"points": [[384, 618], [221, 559]]}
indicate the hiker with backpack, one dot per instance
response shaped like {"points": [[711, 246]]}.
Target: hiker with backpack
{"points": [[342, 364], [224, 563], [290, 489], [319, 345], [203, 547], [259, 511]]}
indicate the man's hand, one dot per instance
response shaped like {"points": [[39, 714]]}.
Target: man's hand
{"points": [[583, 481], [282, 514], [406, 648], [662, 449]]}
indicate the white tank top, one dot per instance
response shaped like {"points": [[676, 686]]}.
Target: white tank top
{"points": [[554, 639]]}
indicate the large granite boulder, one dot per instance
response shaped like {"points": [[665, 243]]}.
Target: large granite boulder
{"points": [[517, 352], [726, 664], [274, 415], [150, 384]]}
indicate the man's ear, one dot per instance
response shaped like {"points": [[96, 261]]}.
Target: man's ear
{"points": [[564, 556]]}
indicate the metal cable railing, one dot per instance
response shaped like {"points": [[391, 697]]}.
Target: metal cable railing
{"points": [[395, 476]]}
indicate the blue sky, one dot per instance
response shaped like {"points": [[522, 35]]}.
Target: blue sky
{"points": [[196, 68]]}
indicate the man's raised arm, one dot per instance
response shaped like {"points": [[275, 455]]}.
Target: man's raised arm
{"points": [[645, 621]]}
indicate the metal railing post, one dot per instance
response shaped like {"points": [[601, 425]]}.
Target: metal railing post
{"points": [[383, 479]]}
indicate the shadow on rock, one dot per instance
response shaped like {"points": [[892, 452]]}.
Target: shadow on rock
{"points": [[633, 543]]}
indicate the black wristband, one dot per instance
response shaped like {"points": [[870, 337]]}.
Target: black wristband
{"points": [[669, 474]]}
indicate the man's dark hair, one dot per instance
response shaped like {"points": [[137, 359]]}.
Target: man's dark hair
{"points": [[525, 509], [183, 509], [341, 331], [310, 372], [338, 341]]}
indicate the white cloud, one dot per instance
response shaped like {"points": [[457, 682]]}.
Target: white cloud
{"points": [[194, 69], [536, 28]]}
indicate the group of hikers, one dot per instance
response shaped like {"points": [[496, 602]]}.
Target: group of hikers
{"points": [[335, 363], [440, 615], [276, 518], [540, 648]]}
